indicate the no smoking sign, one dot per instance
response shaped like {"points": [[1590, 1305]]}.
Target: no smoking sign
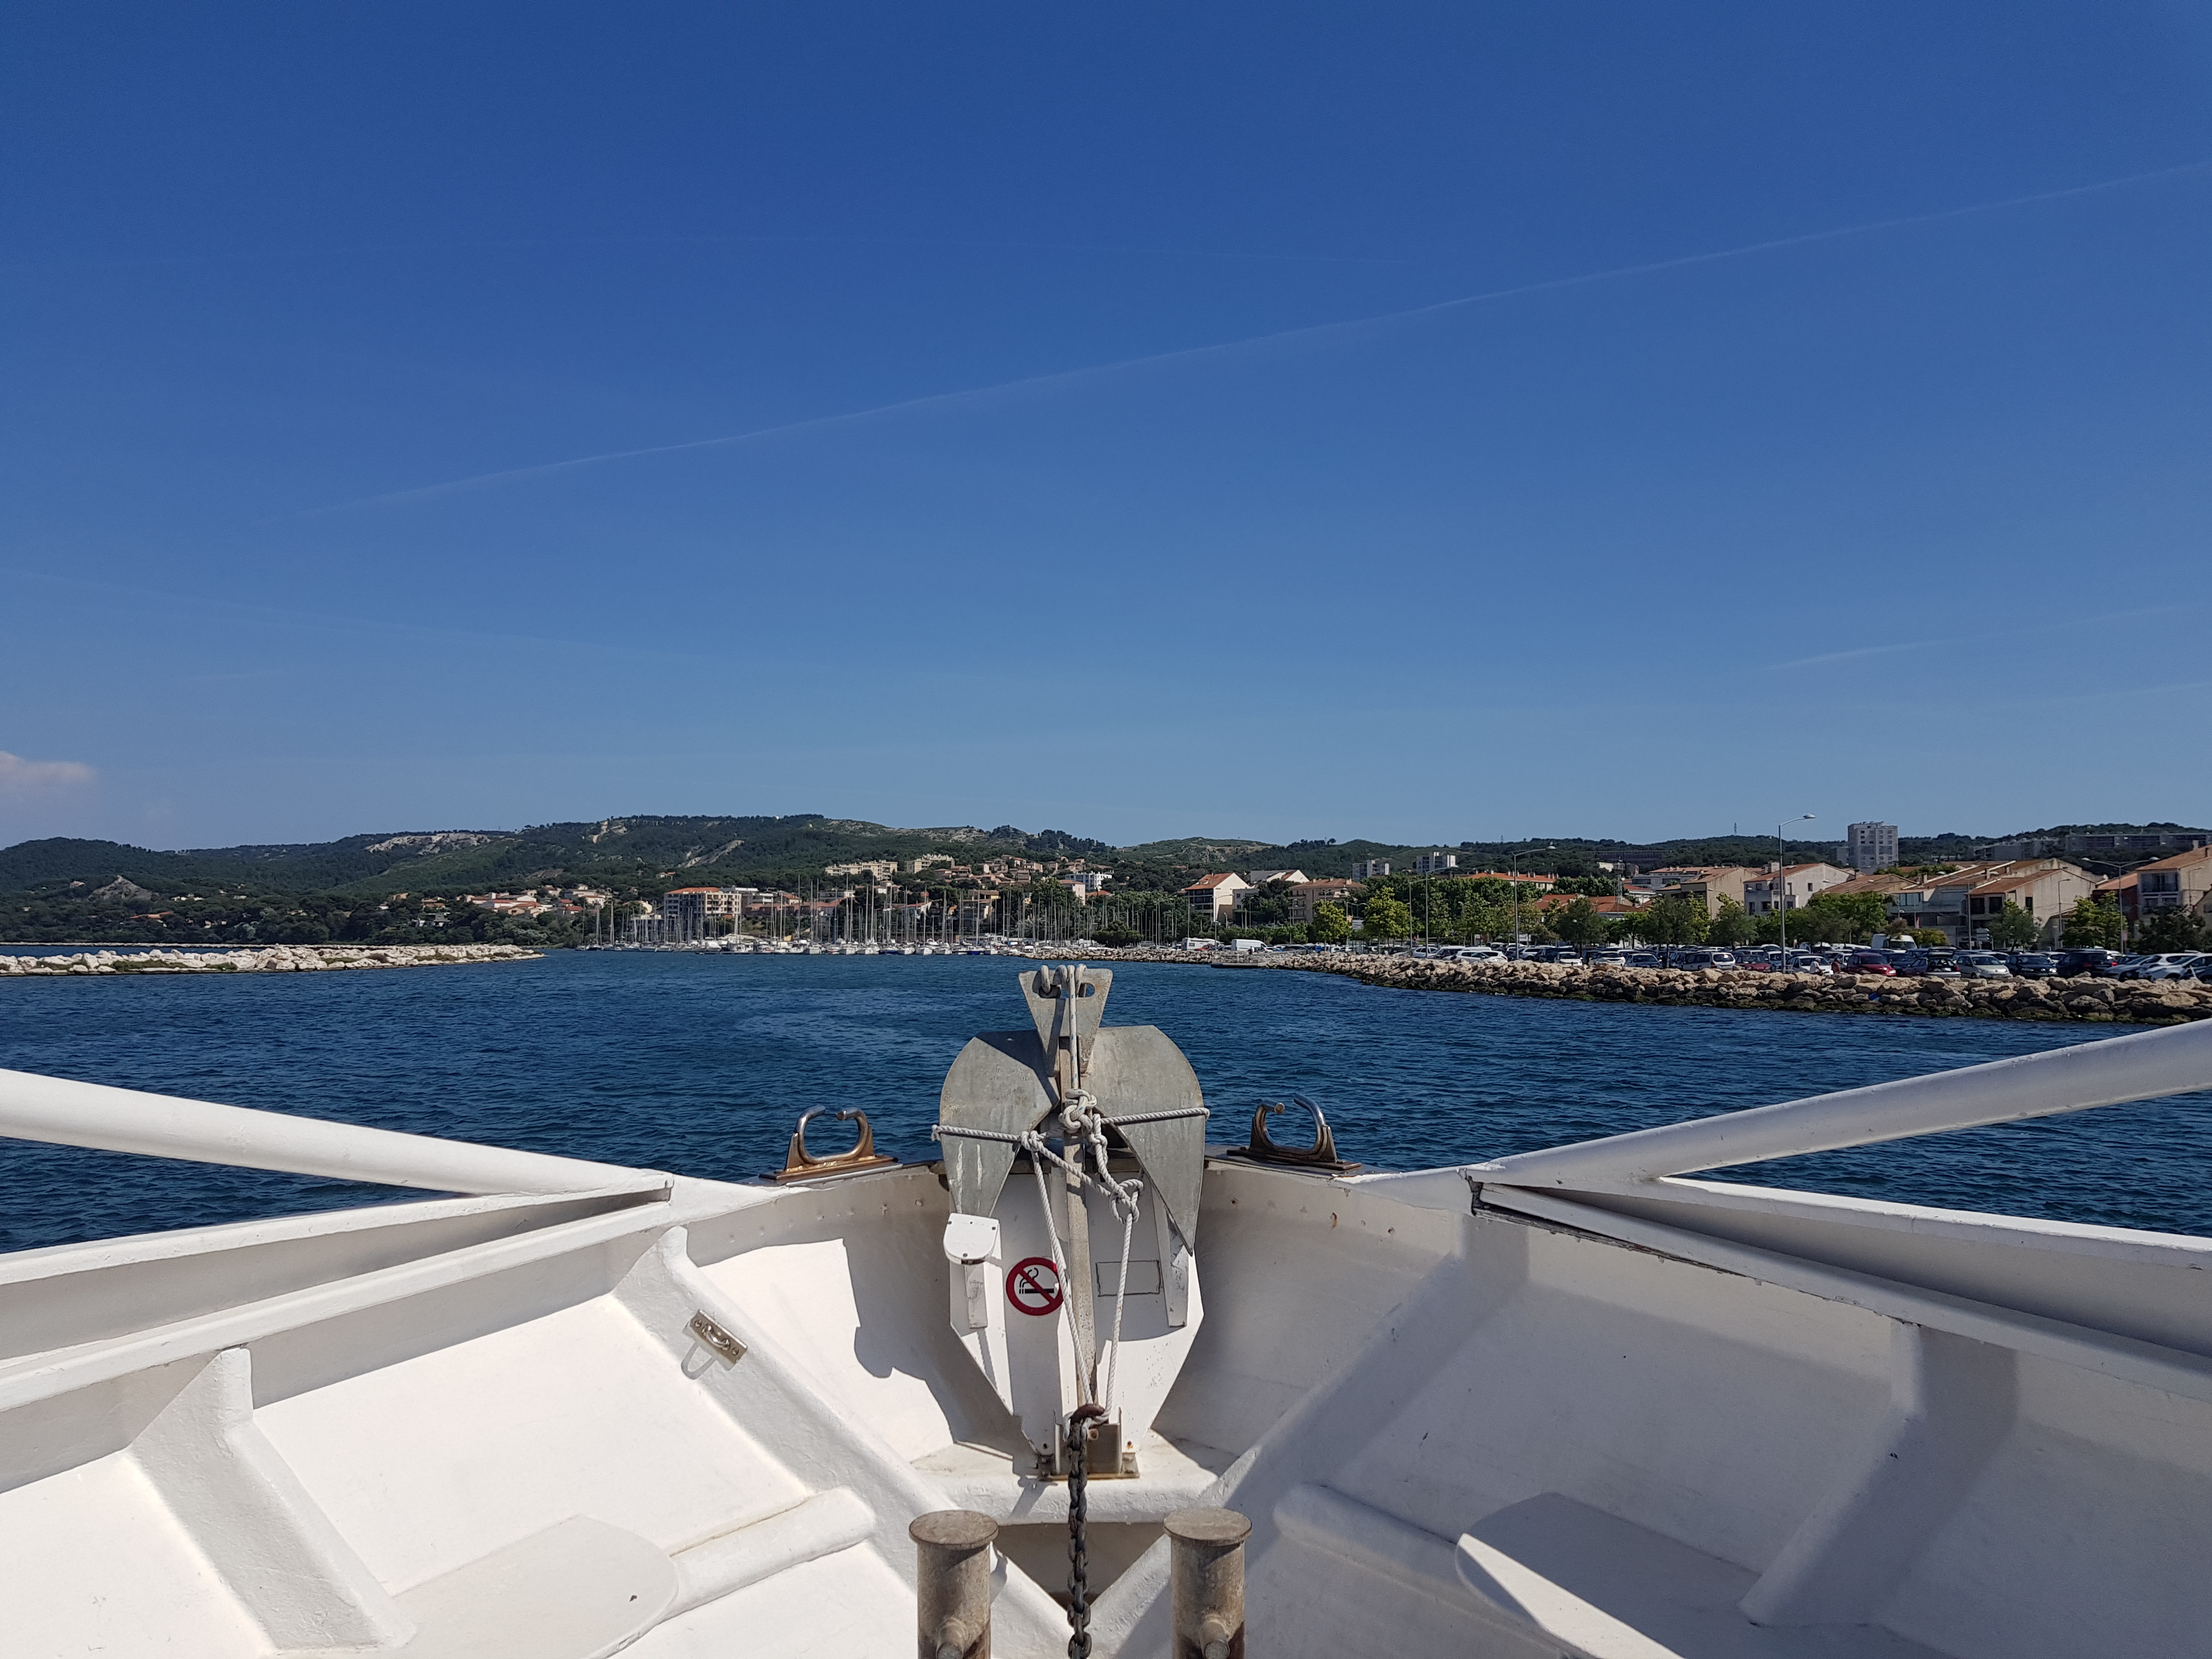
{"points": [[1033, 1286]]}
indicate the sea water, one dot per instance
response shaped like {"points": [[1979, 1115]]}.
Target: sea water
{"points": [[702, 1064]]}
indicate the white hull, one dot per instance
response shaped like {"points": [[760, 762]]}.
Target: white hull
{"points": [[1582, 1409]]}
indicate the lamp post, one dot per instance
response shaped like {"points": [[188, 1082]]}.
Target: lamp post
{"points": [[1781, 898], [1514, 863]]}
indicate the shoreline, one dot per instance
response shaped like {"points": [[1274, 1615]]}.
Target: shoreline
{"points": [[2081, 1001], [2091, 1001], [108, 963]]}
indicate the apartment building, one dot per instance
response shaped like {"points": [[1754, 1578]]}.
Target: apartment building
{"points": [[1216, 895], [1434, 864], [689, 909], [1790, 887], [1370, 869], [1306, 895], [1870, 846]]}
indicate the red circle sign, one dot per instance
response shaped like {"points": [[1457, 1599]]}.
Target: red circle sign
{"points": [[1033, 1285]]}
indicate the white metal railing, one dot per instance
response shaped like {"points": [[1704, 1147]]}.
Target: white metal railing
{"points": [[67, 1113], [2142, 1066]]}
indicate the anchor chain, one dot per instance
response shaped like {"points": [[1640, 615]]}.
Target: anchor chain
{"points": [[1079, 1548]]}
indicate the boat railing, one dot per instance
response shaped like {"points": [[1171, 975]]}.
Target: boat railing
{"points": [[64, 1112], [2145, 1066]]}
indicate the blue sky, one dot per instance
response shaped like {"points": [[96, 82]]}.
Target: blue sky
{"points": [[1425, 423]]}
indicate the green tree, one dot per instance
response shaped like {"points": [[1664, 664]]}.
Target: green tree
{"points": [[1828, 918], [2171, 930], [2014, 929], [2091, 923], [1731, 925], [1329, 926], [1578, 923], [1386, 917], [1676, 919]]}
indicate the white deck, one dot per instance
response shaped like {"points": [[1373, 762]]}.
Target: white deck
{"points": [[1638, 1417]]}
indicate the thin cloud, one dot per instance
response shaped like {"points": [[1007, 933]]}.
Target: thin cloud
{"points": [[1311, 333], [2071, 624], [1848, 656], [21, 779]]}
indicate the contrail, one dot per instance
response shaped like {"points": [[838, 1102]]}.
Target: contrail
{"points": [[1309, 333]]}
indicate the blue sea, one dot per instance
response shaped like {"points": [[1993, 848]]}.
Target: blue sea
{"points": [[702, 1064]]}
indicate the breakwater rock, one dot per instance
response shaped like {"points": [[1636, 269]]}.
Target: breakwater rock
{"points": [[270, 959], [2143, 1002]]}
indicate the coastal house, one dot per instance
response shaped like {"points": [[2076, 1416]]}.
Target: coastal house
{"points": [[2120, 893], [1329, 890], [1961, 903], [1216, 894], [1527, 880], [2046, 888], [1604, 903], [1790, 887], [2183, 882], [1708, 883]]}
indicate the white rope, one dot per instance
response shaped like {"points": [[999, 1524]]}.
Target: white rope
{"points": [[1035, 1144], [1160, 1117], [1084, 1116]]}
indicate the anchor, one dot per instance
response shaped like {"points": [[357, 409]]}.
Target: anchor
{"points": [[1091, 1247]]}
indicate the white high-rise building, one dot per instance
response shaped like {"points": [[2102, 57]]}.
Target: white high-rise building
{"points": [[1870, 846]]}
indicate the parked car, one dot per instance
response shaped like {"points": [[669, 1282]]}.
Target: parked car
{"points": [[1700, 956], [2092, 960], [1868, 962], [2173, 964], [1983, 964], [1473, 953], [1797, 962], [2033, 965], [1937, 963], [1644, 959]]}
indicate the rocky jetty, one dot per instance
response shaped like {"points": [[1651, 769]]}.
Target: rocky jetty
{"points": [[2152, 1002], [271, 959]]}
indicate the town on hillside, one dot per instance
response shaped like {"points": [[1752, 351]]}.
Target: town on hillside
{"points": [[751, 884], [2025, 896]]}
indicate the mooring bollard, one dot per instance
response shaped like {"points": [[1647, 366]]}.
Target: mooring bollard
{"points": [[1209, 1576], [952, 1583]]}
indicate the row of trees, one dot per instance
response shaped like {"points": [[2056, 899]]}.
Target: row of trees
{"points": [[278, 919]]}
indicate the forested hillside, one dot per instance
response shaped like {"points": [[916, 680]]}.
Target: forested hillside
{"points": [[378, 886]]}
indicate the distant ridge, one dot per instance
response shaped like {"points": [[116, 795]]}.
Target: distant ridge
{"points": [[655, 851]]}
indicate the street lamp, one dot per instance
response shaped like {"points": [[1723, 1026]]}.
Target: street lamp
{"points": [[1515, 864], [1781, 898]]}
